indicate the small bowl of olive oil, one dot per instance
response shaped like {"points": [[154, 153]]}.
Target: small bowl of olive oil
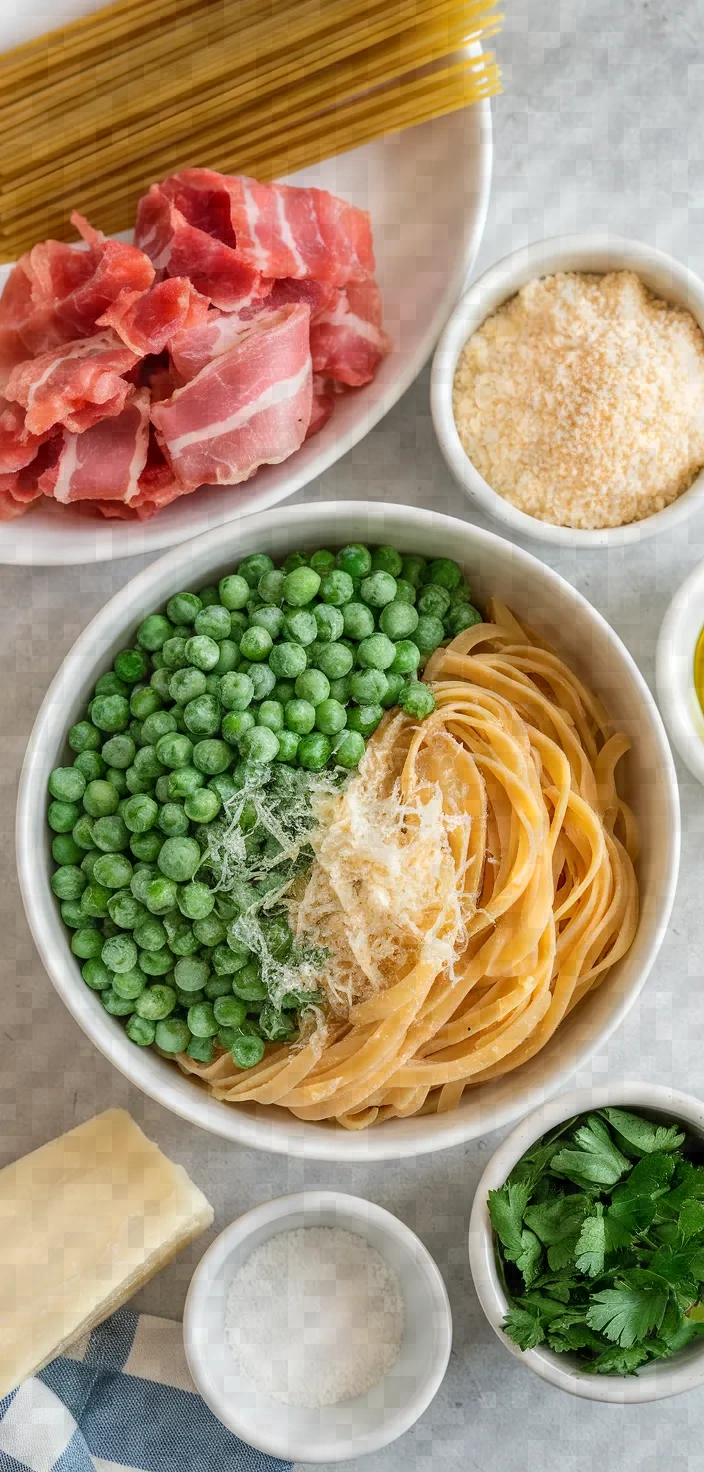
{"points": [[680, 671]]}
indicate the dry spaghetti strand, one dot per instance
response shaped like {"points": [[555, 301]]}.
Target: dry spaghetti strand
{"points": [[91, 114], [512, 895]]}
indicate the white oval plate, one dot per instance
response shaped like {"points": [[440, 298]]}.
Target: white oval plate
{"points": [[427, 191]]}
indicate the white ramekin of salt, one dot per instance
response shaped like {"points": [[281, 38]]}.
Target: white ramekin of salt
{"points": [[317, 1327]]}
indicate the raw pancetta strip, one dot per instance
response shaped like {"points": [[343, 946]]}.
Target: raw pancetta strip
{"points": [[56, 292], [250, 407], [146, 320], [17, 446], [19, 489], [348, 342], [180, 248], [75, 385], [279, 230], [105, 462], [323, 404], [192, 349]]}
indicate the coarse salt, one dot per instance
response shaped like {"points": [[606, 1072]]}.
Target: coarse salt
{"points": [[581, 400], [315, 1316]]}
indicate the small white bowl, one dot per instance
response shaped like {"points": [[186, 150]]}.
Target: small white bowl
{"points": [[674, 670], [662, 274], [655, 1381], [353, 1427]]}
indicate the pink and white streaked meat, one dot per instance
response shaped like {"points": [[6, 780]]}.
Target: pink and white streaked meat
{"points": [[251, 406], [216, 343]]}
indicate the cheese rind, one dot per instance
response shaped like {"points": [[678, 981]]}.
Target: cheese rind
{"points": [[84, 1221]]}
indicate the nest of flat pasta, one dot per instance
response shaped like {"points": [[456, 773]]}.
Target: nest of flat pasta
{"points": [[473, 882]]}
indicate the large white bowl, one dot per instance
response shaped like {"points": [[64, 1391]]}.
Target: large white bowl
{"points": [[677, 693], [352, 1427], [655, 1381], [493, 567], [427, 191], [662, 274]]}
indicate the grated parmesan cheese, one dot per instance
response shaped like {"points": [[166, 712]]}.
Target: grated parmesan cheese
{"points": [[581, 400]]}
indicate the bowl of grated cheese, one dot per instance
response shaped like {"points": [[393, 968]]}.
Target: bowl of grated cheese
{"points": [[567, 391]]}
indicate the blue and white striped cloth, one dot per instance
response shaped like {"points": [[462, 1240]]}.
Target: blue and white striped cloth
{"points": [[121, 1400]]}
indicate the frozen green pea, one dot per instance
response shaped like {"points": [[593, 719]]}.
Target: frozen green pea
{"points": [[259, 744], [337, 588], [147, 764], [294, 560], [406, 659], [288, 746], [160, 723], [405, 592], [211, 756], [179, 858], [131, 665], [172, 820], [378, 589], [287, 660], [255, 643], [150, 934], [271, 714], [322, 561], [340, 689], [140, 1031], [355, 560], [113, 870], [271, 587], [135, 782], [263, 679], [428, 635], [209, 931], [200, 1050], [313, 686], [229, 1011], [63, 816], [196, 900], [119, 953], [145, 846], [364, 718], [217, 986], [144, 701], [248, 983], [368, 687], [89, 861], [155, 963], [252, 568], [395, 683], [141, 879], [301, 586], [174, 653], [417, 700], [235, 723], [377, 652], [268, 618], [100, 799], [67, 784], [398, 620], [202, 1021], [183, 607], [184, 781], [191, 973], [208, 596], [202, 715], [125, 910], [462, 616], [236, 691], [314, 751], [111, 834], [119, 751], [412, 570], [96, 975], [118, 780], [154, 631], [300, 625], [91, 764], [187, 684], [161, 894], [110, 684], [214, 622], [84, 736], [156, 1002], [387, 559], [86, 944], [358, 621], [233, 591], [110, 712], [74, 916], [283, 691], [65, 850], [299, 716], [247, 1050], [202, 652], [68, 882], [334, 660], [330, 717], [443, 572], [228, 658], [433, 600], [182, 941], [203, 806], [82, 832], [116, 1005]]}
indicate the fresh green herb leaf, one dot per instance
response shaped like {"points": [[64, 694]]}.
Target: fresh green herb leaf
{"points": [[618, 1361], [687, 1185], [634, 1201], [506, 1208], [691, 1219], [641, 1135], [627, 1315], [597, 1162], [591, 1245], [524, 1328], [557, 1218]]}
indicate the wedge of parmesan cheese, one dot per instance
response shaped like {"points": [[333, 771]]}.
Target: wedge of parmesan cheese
{"points": [[84, 1222]]}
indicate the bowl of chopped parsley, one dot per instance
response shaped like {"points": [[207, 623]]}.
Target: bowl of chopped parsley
{"points": [[586, 1242]]}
